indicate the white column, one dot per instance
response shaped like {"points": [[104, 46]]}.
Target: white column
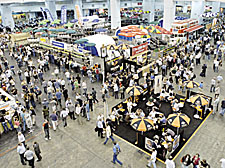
{"points": [[197, 9], [79, 3], [109, 8], [7, 19], [32, 15], [185, 9], [149, 5], [169, 13], [50, 5], [215, 7], [115, 14]]}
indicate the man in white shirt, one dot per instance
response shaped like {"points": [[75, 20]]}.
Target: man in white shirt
{"points": [[21, 150], [152, 159], [64, 114], [29, 155], [21, 138], [222, 163], [100, 128], [170, 163]]}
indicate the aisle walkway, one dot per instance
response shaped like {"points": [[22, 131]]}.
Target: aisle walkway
{"points": [[78, 145]]}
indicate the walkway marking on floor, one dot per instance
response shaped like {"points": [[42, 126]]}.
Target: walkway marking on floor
{"points": [[192, 135], [32, 137], [179, 150], [137, 147]]}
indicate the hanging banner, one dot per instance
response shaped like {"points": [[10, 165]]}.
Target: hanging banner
{"points": [[63, 14], [139, 49], [78, 12], [49, 15], [43, 14]]}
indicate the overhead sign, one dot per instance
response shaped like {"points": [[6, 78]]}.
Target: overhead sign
{"points": [[58, 44], [139, 49], [78, 12], [49, 15], [43, 14], [63, 14]]}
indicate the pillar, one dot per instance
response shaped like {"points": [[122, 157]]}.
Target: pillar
{"points": [[115, 14], [149, 5], [185, 8], [32, 15], [109, 8], [197, 9], [169, 14], [79, 3], [50, 5], [215, 7], [7, 18]]}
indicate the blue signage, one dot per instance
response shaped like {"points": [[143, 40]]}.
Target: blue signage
{"points": [[58, 44]]}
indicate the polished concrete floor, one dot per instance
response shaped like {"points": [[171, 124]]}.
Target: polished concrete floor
{"points": [[77, 146]]}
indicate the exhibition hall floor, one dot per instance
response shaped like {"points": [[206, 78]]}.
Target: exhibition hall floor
{"points": [[77, 146]]}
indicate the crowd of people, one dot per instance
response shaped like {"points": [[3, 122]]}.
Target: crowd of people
{"points": [[54, 94]]}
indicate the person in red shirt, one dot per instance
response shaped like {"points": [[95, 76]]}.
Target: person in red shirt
{"points": [[46, 130], [83, 71], [195, 160], [97, 74]]}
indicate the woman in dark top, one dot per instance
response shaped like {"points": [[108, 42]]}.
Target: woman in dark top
{"points": [[204, 164], [186, 160]]}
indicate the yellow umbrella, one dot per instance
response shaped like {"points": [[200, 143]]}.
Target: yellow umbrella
{"points": [[142, 124], [136, 90], [146, 36], [110, 47], [191, 84], [203, 100], [124, 46], [178, 120]]}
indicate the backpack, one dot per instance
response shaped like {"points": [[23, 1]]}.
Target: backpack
{"points": [[117, 150]]}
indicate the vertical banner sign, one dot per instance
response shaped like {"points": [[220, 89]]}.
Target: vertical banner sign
{"points": [[43, 14], [63, 15], [78, 12], [49, 15]]}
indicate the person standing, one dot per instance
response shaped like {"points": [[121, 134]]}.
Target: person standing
{"points": [[59, 97], [170, 163], [186, 161], [116, 151], [64, 114], [21, 138], [216, 103], [222, 111], [196, 160], [222, 161], [213, 84], [54, 119], [78, 113], [37, 151], [84, 87], [100, 128], [94, 95], [71, 109], [108, 134], [152, 159], [29, 155], [46, 130], [116, 90], [21, 150], [87, 108]]}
